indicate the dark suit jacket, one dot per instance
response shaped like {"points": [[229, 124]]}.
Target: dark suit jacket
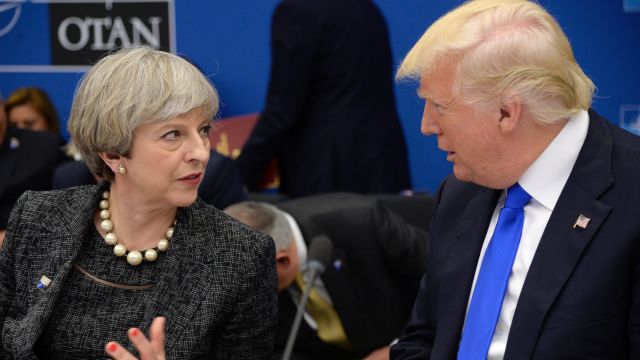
{"points": [[218, 280], [372, 278], [221, 186], [26, 165], [581, 297], [330, 114]]}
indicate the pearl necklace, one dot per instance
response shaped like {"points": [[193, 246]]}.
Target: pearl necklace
{"points": [[134, 257]]}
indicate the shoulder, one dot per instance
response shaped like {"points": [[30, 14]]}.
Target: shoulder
{"points": [[300, 11], [52, 209], [218, 235], [44, 143], [455, 191], [72, 173]]}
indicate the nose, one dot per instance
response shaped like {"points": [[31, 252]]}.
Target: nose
{"points": [[429, 125], [198, 149]]}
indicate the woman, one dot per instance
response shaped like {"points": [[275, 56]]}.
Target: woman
{"points": [[30, 108], [95, 269]]}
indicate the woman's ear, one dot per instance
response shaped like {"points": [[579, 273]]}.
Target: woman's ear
{"points": [[112, 160], [510, 114]]}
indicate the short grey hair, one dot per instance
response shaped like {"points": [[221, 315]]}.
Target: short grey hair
{"points": [[129, 88], [265, 218]]}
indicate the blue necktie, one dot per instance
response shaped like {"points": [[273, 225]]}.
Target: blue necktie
{"points": [[491, 283]]}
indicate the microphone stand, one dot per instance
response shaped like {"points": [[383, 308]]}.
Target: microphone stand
{"points": [[314, 272]]}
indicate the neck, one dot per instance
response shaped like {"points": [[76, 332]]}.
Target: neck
{"points": [[524, 147], [139, 226]]}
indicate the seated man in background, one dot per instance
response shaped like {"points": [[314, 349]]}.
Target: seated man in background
{"points": [[221, 186], [369, 284], [27, 161]]}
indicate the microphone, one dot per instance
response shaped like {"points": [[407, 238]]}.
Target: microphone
{"points": [[319, 255]]}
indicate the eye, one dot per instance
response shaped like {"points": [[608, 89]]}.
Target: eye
{"points": [[171, 135], [205, 130]]}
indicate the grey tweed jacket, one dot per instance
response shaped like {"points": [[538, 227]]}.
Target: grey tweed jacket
{"points": [[218, 282]]}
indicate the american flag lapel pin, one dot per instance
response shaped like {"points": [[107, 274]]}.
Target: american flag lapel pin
{"points": [[582, 222], [43, 283]]}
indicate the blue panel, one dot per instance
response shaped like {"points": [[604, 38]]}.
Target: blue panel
{"points": [[27, 41], [631, 5]]}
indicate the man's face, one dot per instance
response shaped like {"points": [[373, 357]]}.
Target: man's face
{"points": [[287, 265], [470, 137]]}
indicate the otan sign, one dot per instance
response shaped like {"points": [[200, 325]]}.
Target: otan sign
{"points": [[81, 32]]}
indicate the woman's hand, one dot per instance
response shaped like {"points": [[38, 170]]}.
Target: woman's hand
{"points": [[152, 349]]}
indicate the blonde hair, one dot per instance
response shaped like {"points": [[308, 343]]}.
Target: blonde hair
{"points": [[504, 48], [127, 89]]}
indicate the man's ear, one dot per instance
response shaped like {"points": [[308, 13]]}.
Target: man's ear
{"points": [[112, 160], [510, 114], [283, 260]]}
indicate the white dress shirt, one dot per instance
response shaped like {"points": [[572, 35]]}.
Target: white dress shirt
{"points": [[544, 181]]}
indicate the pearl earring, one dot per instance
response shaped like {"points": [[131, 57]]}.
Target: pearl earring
{"points": [[122, 169]]}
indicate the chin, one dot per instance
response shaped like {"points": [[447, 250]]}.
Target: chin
{"points": [[186, 200], [462, 174]]}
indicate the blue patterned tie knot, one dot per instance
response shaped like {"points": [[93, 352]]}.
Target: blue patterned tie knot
{"points": [[491, 283]]}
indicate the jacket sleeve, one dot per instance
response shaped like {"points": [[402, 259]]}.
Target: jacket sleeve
{"points": [[250, 331], [293, 41], [7, 261], [418, 337]]}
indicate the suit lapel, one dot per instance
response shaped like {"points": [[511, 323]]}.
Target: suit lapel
{"points": [[185, 281], [460, 267], [69, 234], [561, 244]]}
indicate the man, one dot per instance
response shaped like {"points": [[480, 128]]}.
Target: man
{"points": [[368, 285], [559, 276], [27, 161], [330, 84]]}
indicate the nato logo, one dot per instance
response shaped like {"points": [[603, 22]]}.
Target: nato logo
{"points": [[631, 5], [9, 15], [630, 118]]}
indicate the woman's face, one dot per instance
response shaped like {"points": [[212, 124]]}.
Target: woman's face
{"points": [[26, 117], [167, 161]]}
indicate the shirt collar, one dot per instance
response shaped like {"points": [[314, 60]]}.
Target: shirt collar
{"points": [[546, 177]]}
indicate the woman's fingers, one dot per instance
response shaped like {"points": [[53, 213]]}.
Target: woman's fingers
{"points": [[157, 336], [149, 349], [117, 352], [141, 343]]}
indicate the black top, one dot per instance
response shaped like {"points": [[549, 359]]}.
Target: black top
{"points": [[27, 161], [92, 314]]}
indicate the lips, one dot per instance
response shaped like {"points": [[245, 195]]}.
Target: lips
{"points": [[191, 178], [450, 155]]}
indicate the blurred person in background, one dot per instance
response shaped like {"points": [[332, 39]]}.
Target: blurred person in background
{"points": [[364, 297], [137, 265], [27, 162], [30, 108], [330, 115]]}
